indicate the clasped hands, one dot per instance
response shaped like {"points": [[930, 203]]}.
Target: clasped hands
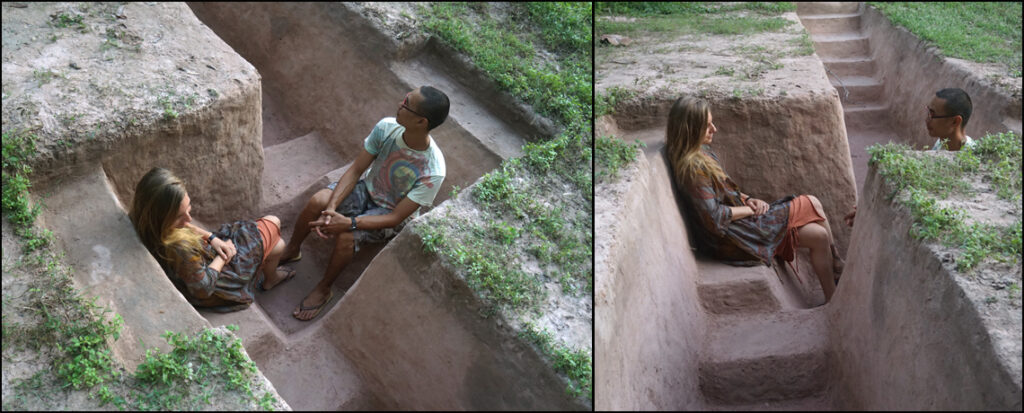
{"points": [[330, 224], [758, 206], [225, 248]]}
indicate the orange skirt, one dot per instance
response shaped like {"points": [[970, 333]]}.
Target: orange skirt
{"points": [[801, 212], [270, 233]]}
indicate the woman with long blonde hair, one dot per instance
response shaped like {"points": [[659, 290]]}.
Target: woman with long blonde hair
{"points": [[218, 270], [731, 225]]}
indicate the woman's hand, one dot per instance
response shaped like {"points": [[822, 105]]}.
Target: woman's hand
{"points": [[225, 248], [757, 205]]}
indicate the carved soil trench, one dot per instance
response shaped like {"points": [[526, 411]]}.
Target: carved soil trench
{"points": [[323, 90], [845, 52]]}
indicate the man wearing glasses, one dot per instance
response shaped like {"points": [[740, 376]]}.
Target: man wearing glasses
{"points": [[948, 113], [406, 169], [947, 116]]}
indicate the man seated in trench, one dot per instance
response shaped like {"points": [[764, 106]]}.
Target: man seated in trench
{"points": [[946, 120], [406, 169]]}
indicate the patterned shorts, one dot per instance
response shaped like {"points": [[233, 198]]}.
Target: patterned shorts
{"points": [[358, 204]]}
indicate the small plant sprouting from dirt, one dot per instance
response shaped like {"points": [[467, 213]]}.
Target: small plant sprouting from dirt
{"points": [[925, 180], [612, 155]]}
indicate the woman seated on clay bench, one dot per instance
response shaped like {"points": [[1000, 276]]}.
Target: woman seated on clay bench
{"points": [[733, 226], [217, 270]]}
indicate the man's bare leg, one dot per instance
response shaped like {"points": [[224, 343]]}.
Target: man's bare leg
{"points": [[340, 257], [310, 213]]}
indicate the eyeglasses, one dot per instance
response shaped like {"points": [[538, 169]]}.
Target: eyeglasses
{"points": [[932, 116], [405, 104]]}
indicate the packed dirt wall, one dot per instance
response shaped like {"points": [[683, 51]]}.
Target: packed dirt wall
{"points": [[905, 334], [648, 322]]}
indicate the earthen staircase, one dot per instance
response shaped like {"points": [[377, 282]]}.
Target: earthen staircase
{"points": [[764, 348], [845, 51]]}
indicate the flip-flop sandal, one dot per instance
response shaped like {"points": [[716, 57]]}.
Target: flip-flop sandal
{"points": [[290, 275], [318, 308], [290, 260]]}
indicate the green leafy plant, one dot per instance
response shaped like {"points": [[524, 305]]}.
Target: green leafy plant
{"points": [[926, 179], [613, 154]]}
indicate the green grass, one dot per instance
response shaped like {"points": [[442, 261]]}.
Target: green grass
{"points": [[508, 55], [666, 8], [537, 207], [574, 363], [927, 179], [693, 18], [612, 155], [984, 32], [611, 98]]}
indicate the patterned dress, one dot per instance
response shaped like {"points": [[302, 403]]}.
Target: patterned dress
{"points": [[746, 241], [231, 289]]}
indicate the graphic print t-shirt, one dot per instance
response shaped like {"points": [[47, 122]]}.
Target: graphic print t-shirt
{"points": [[399, 171]]}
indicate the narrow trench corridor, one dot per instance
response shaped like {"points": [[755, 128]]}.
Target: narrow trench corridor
{"points": [[845, 51]]}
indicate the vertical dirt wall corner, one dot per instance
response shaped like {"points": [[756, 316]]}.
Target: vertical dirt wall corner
{"points": [[216, 151], [649, 325], [904, 334], [414, 329]]}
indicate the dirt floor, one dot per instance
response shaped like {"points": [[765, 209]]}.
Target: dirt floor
{"points": [[664, 64]]}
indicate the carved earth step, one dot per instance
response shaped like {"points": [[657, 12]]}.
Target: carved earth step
{"points": [[765, 357], [841, 45], [827, 7], [851, 66], [861, 89], [831, 23]]}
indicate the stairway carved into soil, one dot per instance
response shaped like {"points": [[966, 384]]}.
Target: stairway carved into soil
{"points": [[763, 347], [845, 51]]}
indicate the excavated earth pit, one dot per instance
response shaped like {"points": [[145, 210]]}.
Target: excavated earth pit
{"points": [[675, 330], [273, 102]]}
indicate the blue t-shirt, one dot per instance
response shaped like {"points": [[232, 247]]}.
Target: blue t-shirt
{"points": [[399, 171]]}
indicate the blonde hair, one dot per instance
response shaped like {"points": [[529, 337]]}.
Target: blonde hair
{"points": [[687, 123], [158, 197]]}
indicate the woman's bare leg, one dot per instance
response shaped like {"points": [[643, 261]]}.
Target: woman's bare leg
{"points": [[815, 237], [271, 273], [837, 261]]}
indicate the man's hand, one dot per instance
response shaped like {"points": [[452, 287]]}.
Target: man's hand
{"points": [[757, 205], [329, 224]]}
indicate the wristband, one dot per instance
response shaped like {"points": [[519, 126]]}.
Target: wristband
{"points": [[353, 224], [210, 238]]}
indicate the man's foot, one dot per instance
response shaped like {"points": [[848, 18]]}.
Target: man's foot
{"points": [[283, 274], [307, 312]]}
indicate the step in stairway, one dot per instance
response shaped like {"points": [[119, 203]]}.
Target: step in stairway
{"points": [[867, 113], [850, 66], [862, 89], [841, 45], [827, 7], [290, 167], [726, 289], [769, 357], [831, 23]]}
